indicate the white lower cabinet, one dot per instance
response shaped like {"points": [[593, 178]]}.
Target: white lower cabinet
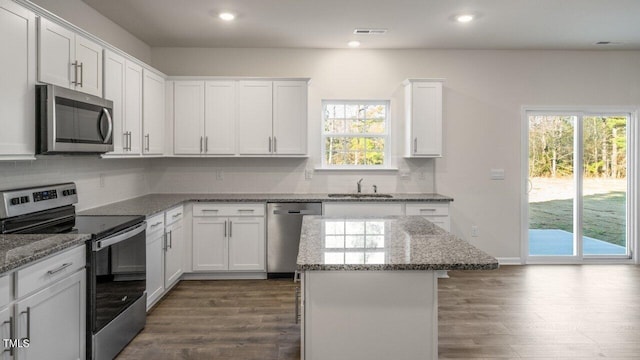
{"points": [[362, 209], [174, 246], [165, 249], [155, 259], [54, 320], [437, 213], [47, 319], [229, 237]]}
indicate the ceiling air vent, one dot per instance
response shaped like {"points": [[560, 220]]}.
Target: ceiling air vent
{"points": [[370, 31]]}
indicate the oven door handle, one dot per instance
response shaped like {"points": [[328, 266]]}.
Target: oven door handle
{"points": [[99, 245]]}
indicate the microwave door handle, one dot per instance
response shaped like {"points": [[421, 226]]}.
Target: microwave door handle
{"points": [[105, 111]]}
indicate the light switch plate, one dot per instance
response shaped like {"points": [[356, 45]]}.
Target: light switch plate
{"points": [[308, 174], [405, 174]]}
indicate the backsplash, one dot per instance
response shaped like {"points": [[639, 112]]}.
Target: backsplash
{"points": [[278, 175], [99, 181]]}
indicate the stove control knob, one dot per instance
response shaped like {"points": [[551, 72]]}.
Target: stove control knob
{"points": [[15, 201]]}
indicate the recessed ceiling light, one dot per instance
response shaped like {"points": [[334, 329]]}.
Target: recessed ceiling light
{"points": [[353, 44], [464, 18], [226, 16]]}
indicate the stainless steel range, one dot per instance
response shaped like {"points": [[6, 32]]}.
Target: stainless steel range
{"points": [[116, 258]]}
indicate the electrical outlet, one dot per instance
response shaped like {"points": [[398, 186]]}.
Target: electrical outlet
{"points": [[219, 175], [405, 175], [474, 231], [102, 182], [308, 174]]}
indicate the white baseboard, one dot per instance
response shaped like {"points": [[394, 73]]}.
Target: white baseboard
{"points": [[510, 261], [225, 276]]}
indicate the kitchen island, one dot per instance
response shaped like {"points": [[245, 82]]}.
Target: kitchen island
{"points": [[369, 285]]}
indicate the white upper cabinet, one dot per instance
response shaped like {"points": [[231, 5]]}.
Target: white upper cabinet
{"points": [[17, 84], [255, 114], [68, 60], [123, 86], [423, 109], [220, 118], [290, 117], [188, 117], [153, 113]]}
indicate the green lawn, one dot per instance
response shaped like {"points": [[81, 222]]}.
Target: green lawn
{"points": [[604, 216]]}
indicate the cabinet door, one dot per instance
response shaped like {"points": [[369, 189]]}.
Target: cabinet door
{"points": [[255, 107], [426, 118], [188, 117], [290, 117], [17, 71], [56, 49], [5, 330], [210, 243], [174, 253], [153, 113], [246, 243], [54, 319], [220, 118], [114, 70], [133, 107], [155, 266], [89, 57]]}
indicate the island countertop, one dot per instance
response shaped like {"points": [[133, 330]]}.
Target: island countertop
{"points": [[385, 243]]}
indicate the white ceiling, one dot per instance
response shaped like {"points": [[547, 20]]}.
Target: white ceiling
{"points": [[500, 24]]}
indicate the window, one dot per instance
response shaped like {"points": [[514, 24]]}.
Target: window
{"points": [[355, 134]]}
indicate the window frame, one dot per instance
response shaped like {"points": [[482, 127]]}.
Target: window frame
{"points": [[386, 165]]}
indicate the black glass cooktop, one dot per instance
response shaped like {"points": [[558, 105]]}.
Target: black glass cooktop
{"points": [[101, 226]]}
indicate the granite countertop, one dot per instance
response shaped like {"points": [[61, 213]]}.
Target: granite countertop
{"points": [[17, 250], [385, 243], [154, 203]]}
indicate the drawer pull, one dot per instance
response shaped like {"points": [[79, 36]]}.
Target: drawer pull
{"points": [[156, 224], [178, 214], [209, 210], [60, 268], [431, 210], [28, 312], [246, 210]]}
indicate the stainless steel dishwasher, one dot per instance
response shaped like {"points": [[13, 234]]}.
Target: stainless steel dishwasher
{"points": [[284, 221]]}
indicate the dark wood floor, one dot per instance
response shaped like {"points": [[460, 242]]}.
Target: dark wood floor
{"points": [[533, 312]]}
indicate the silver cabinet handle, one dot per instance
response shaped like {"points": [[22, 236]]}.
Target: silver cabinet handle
{"points": [[75, 72], [275, 144], [415, 145], [170, 239], [201, 139], [431, 210], [81, 75], [156, 224], [225, 228], [176, 215], [230, 228], [269, 143], [146, 137], [60, 268], [11, 334], [206, 144], [209, 210], [246, 210], [28, 312], [165, 240]]}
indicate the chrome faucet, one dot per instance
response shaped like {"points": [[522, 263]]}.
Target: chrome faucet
{"points": [[375, 189], [360, 185]]}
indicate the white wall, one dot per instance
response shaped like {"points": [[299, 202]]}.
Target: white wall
{"points": [[84, 16], [123, 178], [484, 95]]}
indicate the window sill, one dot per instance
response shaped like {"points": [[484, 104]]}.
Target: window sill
{"points": [[354, 169]]}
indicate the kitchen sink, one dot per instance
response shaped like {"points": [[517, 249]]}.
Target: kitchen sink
{"points": [[360, 196]]}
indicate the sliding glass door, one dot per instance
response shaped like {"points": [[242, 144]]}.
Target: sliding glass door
{"points": [[577, 185]]}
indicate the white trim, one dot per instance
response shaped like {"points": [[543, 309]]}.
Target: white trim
{"points": [[357, 169], [225, 276], [239, 78], [633, 161]]}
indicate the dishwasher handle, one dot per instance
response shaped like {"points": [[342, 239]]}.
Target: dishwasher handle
{"points": [[295, 212]]}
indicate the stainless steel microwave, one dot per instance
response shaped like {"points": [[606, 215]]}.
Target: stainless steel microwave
{"points": [[69, 121]]}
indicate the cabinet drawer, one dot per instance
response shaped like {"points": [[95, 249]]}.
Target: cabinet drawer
{"points": [[441, 221], [173, 215], [200, 210], [49, 271], [363, 209], [155, 223], [428, 209], [5, 290]]}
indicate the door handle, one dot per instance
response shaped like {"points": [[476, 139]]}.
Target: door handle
{"points": [[28, 312], [201, 139], [170, 239], [275, 144], [269, 143], [110, 129], [415, 145], [225, 228], [11, 333], [75, 72], [147, 141], [206, 144], [81, 75], [230, 228]]}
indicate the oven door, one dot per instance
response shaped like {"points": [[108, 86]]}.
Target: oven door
{"points": [[117, 275]]}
